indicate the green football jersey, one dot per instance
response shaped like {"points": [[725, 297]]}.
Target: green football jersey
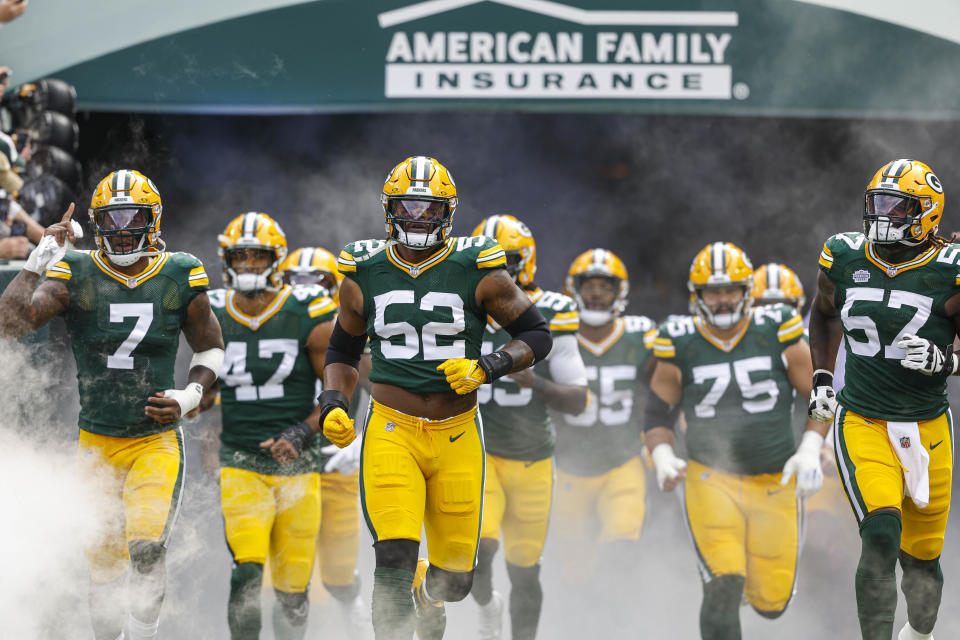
{"points": [[737, 398], [267, 382], [516, 424], [879, 303], [607, 433], [125, 332], [419, 315]]}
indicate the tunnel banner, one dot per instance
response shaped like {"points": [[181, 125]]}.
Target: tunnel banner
{"points": [[737, 57]]}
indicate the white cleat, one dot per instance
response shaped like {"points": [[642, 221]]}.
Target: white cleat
{"points": [[357, 619], [491, 619], [909, 633]]}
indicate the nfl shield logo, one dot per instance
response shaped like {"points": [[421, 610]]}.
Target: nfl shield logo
{"points": [[390, 426], [905, 442]]}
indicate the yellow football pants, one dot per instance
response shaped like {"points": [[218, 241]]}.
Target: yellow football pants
{"points": [[339, 536], [746, 526], [141, 482], [597, 509], [424, 474], [873, 477], [517, 497], [272, 516], [607, 507]]}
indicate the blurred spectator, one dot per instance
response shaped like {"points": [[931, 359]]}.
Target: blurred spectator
{"points": [[5, 74], [12, 217], [12, 9], [8, 147], [9, 180]]}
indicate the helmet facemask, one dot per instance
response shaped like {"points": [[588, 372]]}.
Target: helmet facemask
{"points": [[517, 260], [418, 222], [893, 217], [250, 280], [126, 232], [723, 315], [590, 298], [308, 277]]}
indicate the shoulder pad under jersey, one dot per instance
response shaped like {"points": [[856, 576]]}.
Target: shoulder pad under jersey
{"points": [[838, 245], [190, 266], [783, 317], [317, 300], [948, 257], [358, 252], [641, 326], [485, 252], [676, 328], [560, 311]]}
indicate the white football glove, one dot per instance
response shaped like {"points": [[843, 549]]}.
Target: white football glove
{"points": [[47, 253], [926, 357], [805, 463], [823, 399], [188, 398], [345, 460], [667, 463]]}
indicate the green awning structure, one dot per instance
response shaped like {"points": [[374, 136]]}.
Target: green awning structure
{"points": [[732, 57]]}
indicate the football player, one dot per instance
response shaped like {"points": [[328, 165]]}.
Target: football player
{"points": [[891, 293], [125, 304], [601, 481], [422, 297], [339, 537], [519, 439], [276, 336], [732, 369]]}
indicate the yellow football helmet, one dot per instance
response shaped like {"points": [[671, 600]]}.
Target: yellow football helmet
{"points": [[313, 265], [598, 263], [775, 282], [125, 213], [902, 204], [258, 232], [517, 243], [419, 199], [721, 264]]}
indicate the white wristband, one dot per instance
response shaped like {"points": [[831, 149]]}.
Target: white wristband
{"points": [[211, 359], [46, 253], [188, 398]]}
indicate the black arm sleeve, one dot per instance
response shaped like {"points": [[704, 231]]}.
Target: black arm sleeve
{"points": [[530, 327], [658, 413], [344, 347]]}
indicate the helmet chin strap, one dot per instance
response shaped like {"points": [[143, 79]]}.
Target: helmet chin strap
{"points": [[419, 240], [124, 259], [595, 317], [882, 232], [127, 259], [721, 320], [251, 282]]}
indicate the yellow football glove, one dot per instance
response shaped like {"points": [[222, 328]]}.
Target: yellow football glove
{"points": [[338, 427], [463, 374]]}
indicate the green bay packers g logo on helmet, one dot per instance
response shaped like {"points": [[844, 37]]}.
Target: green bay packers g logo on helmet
{"points": [[517, 242], [247, 234], [419, 198], [598, 263], [903, 204], [774, 282], [125, 213], [721, 265]]}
